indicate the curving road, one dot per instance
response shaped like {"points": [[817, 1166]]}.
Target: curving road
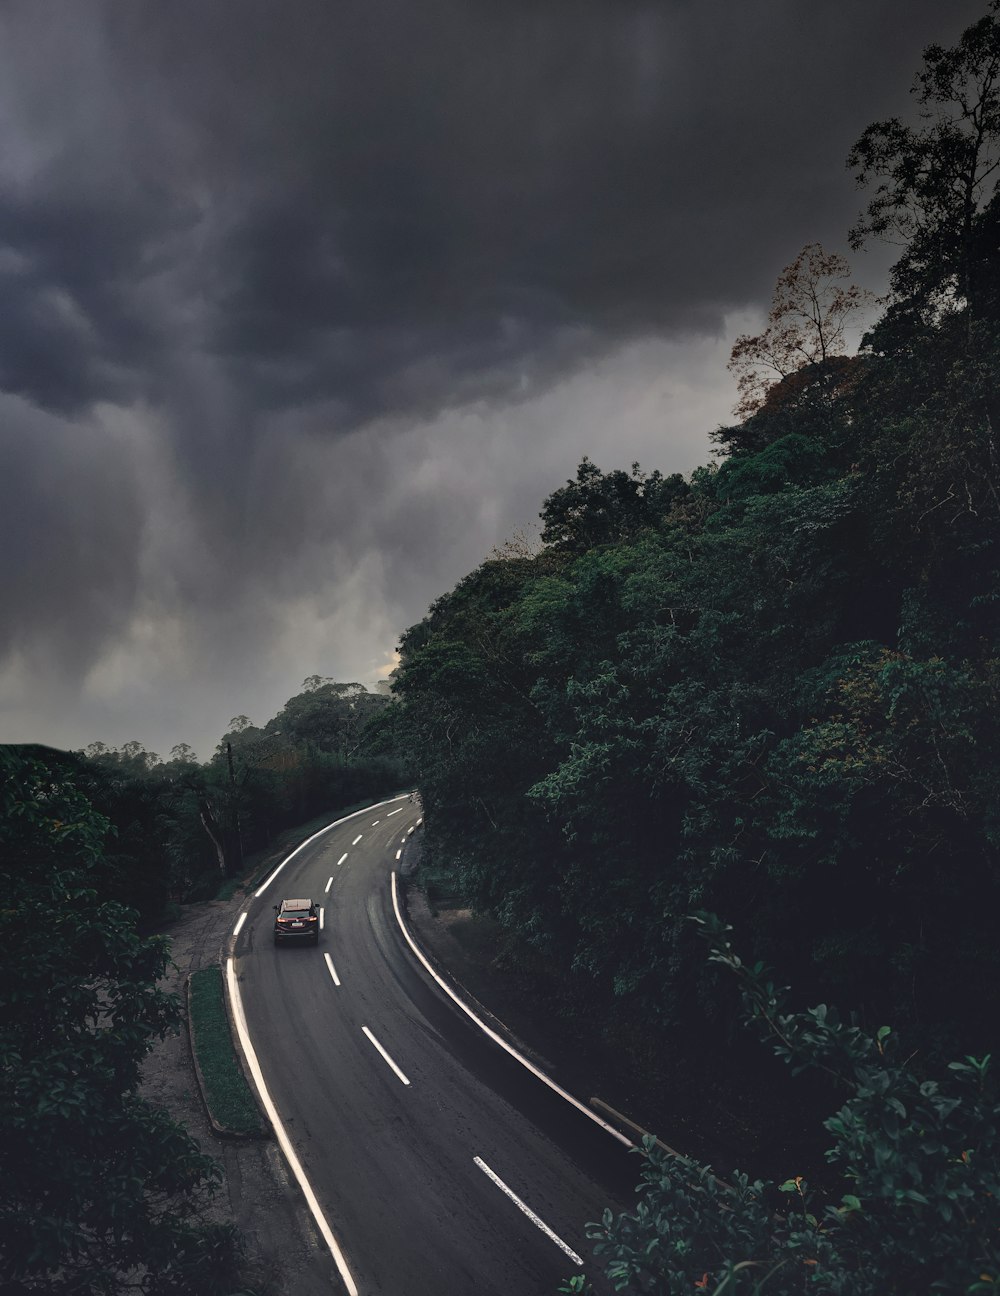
{"points": [[416, 1131]]}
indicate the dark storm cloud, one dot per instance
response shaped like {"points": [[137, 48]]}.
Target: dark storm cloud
{"points": [[70, 533], [301, 303], [345, 192]]}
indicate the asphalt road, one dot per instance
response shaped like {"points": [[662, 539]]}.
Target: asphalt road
{"points": [[406, 1173]]}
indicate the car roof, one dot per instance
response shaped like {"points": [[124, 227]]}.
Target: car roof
{"points": [[296, 904]]}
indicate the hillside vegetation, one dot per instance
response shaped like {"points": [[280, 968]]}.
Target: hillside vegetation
{"points": [[769, 690]]}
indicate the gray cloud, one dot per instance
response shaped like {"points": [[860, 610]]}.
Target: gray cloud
{"points": [[306, 306]]}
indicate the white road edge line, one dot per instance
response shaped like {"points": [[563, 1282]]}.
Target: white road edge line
{"points": [[328, 886], [385, 1055], [302, 845], [333, 970], [279, 1130], [357, 839], [498, 1039], [535, 1219], [342, 858], [392, 812], [321, 912], [236, 929]]}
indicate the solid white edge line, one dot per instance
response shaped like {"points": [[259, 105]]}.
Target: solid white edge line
{"points": [[385, 1055], [302, 845], [329, 884], [242, 920], [284, 1142], [498, 1039], [333, 970], [357, 839], [535, 1219], [342, 858], [321, 912]]}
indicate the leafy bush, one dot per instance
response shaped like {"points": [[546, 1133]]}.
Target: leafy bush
{"points": [[918, 1157]]}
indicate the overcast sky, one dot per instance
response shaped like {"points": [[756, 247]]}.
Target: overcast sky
{"points": [[308, 305]]}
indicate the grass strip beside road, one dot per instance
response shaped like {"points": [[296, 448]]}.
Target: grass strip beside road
{"points": [[227, 1093]]}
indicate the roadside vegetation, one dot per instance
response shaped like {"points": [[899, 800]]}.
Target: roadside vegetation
{"points": [[770, 691], [227, 1092], [100, 1191]]}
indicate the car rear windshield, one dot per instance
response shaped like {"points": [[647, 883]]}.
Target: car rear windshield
{"points": [[296, 904]]}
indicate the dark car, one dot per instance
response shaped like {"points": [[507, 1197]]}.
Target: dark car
{"points": [[296, 920]]}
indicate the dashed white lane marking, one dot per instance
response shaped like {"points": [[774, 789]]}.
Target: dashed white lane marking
{"points": [[377, 821], [419, 822], [498, 1039], [357, 839], [302, 845], [333, 970], [236, 929], [535, 1219], [279, 1131], [385, 1055], [322, 911], [342, 858], [328, 886], [392, 812], [398, 853], [409, 830]]}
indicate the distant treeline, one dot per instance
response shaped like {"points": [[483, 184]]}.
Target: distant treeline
{"points": [[180, 827]]}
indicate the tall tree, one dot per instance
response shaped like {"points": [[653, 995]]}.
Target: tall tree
{"points": [[807, 326], [936, 184]]}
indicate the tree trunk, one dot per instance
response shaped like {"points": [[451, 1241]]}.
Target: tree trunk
{"points": [[212, 828]]}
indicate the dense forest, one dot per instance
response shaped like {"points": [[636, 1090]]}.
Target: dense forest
{"points": [[769, 692]]}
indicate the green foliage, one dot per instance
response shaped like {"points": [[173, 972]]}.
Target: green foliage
{"points": [[606, 508], [917, 1156], [96, 1186], [770, 689]]}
